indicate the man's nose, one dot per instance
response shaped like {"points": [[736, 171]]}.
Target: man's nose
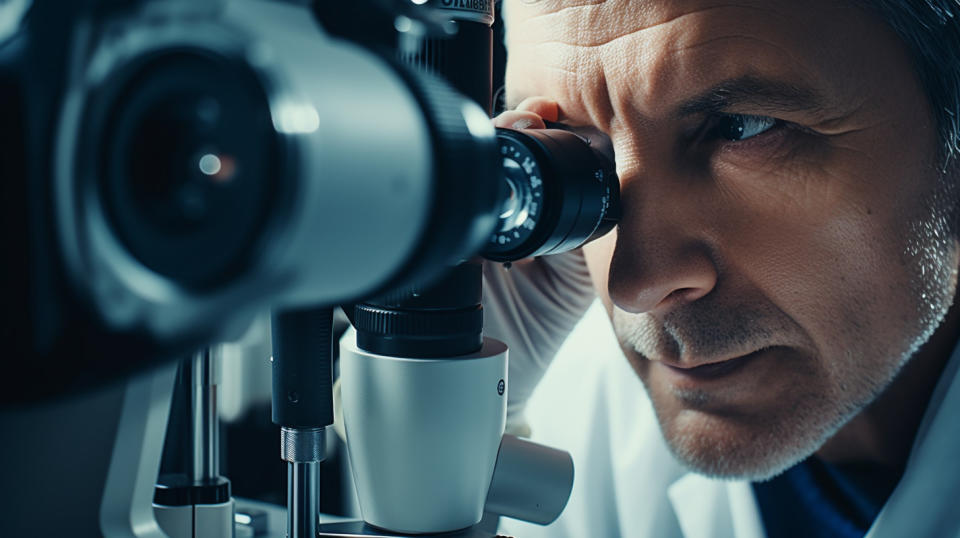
{"points": [[663, 256]]}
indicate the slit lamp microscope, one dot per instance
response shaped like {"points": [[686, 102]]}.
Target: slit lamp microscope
{"points": [[213, 160]]}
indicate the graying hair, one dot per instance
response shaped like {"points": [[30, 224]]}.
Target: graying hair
{"points": [[931, 31]]}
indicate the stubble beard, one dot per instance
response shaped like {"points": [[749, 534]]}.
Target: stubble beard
{"points": [[774, 442]]}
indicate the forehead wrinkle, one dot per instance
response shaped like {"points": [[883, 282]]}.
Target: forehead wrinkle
{"points": [[601, 106], [767, 45], [736, 70], [722, 47], [621, 99], [553, 7], [731, 37], [604, 23], [753, 91], [591, 93], [576, 78], [563, 44], [648, 71]]}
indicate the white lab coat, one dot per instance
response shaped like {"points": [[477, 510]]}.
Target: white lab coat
{"points": [[627, 483]]}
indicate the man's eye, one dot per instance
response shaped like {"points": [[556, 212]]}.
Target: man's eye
{"points": [[737, 127]]}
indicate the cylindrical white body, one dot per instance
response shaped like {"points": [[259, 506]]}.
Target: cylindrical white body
{"points": [[532, 482], [423, 435]]}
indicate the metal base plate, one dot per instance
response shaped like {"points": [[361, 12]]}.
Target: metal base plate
{"points": [[272, 523], [355, 529]]}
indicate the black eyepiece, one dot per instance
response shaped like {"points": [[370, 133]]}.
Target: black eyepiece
{"points": [[560, 194]]}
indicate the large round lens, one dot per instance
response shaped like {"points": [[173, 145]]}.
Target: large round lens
{"points": [[189, 166], [181, 166]]}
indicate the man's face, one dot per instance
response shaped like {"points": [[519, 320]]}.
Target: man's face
{"points": [[786, 242]]}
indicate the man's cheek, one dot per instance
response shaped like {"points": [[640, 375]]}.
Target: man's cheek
{"points": [[841, 283]]}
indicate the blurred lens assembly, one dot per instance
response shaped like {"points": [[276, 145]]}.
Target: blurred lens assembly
{"points": [[190, 162], [243, 158], [559, 194]]}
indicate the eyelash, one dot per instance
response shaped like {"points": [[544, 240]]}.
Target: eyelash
{"points": [[710, 132], [724, 127]]}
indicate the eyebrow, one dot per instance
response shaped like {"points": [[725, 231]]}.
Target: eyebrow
{"points": [[766, 94]]}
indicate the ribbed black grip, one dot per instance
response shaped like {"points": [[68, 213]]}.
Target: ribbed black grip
{"points": [[418, 323], [302, 372], [443, 319]]}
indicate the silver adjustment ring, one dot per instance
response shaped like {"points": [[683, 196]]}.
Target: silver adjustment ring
{"points": [[304, 445]]}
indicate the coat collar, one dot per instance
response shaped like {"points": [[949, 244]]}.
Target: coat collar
{"points": [[926, 499], [708, 508]]}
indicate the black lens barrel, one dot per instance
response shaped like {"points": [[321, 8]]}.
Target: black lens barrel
{"points": [[443, 319], [575, 193]]}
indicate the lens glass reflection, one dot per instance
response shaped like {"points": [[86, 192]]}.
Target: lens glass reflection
{"points": [[189, 165], [181, 162], [516, 207]]}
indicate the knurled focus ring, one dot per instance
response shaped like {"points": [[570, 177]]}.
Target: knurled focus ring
{"points": [[302, 445], [383, 321]]}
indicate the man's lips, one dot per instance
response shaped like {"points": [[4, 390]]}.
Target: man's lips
{"points": [[713, 370]]}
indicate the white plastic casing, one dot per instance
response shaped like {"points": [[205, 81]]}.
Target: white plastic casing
{"points": [[423, 435]]}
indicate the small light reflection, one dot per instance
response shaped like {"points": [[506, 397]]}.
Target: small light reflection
{"points": [[219, 168], [296, 119], [210, 164]]}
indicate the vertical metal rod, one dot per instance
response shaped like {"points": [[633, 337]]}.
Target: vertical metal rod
{"points": [[303, 499], [205, 422], [302, 405]]}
